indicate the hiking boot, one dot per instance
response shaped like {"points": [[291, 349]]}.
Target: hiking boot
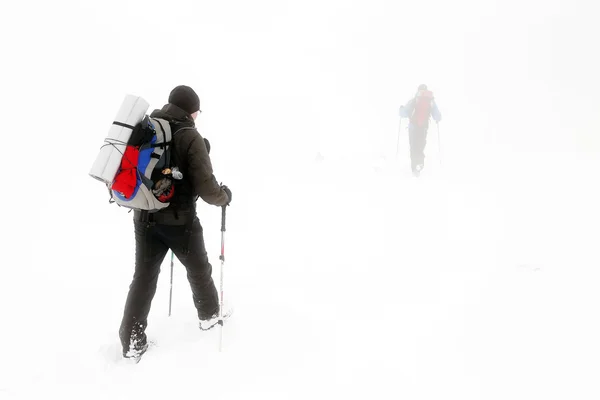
{"points": [[206, 324], [416, 170], [134, 341], [136, 350]]}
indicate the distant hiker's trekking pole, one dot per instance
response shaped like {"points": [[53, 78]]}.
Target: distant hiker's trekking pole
{"points": [[439, 143], [398, 142], [222, 258], [171, 285]]}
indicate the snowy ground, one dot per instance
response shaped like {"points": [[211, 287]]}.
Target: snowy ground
{"points": [[353, 282]]}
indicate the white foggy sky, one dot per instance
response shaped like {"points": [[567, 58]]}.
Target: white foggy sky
{"points": [[301, 77]]}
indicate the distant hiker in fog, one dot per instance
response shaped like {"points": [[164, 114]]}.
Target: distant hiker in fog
{"points": [[419, 109]]}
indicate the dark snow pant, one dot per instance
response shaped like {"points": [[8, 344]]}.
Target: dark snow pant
{"points": [[417, 137], [152, 242]]}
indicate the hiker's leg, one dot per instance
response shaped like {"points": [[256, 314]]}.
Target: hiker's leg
{"points": [[149, 254], [413, 142], [422, 142], [199, 270]]}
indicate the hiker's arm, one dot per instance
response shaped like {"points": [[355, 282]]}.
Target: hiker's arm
{"points": [[203, 181], [435, 112], [406, 110]]}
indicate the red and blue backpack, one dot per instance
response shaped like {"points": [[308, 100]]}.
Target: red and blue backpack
{"points": [[422, 110], [144, 180]]}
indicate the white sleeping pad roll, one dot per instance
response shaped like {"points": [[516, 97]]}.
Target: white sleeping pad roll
{"points": [[132, 111]]}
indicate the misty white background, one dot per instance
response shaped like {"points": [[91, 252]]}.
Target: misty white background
{"points": [[478, 281]]}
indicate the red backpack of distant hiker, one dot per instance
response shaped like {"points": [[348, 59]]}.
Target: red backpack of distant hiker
{"points": [[422, 111]]}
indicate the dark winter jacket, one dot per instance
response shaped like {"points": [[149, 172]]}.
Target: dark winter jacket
{"points": [[189, 153]]}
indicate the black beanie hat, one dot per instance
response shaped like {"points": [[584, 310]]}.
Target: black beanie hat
{"points": [[185, 98]]}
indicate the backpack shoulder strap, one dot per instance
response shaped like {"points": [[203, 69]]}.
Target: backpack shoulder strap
{"points": [[162, 126], [163, 137], [183, 129], [166, 128]]}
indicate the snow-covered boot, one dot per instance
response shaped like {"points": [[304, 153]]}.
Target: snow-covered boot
{"points": [[206, 324], [136, 343]]}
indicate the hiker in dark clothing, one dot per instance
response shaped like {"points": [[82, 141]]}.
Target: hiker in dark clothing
{"points": [[419, 109], [176, 227]]}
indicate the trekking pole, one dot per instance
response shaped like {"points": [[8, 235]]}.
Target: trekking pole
{"points": [[171, 285], [222, 258], [398, 142], [439, 143]]}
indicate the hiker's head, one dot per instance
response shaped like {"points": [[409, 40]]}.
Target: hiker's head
{"points": [[185, 98], [422, 87]]}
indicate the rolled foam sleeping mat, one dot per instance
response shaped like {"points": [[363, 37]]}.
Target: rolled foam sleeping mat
{"points": [[132, 111]]}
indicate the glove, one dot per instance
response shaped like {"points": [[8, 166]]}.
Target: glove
{"points": [[228, 192], [207, 143]]}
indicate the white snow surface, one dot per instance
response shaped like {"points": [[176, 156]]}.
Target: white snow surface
{"points": [[349, 277]]}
